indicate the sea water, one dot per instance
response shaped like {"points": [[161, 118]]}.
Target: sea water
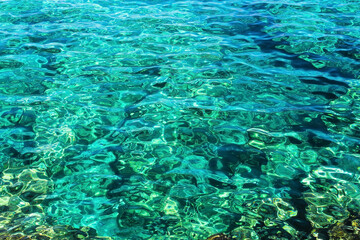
{"points": [[179, 119]]}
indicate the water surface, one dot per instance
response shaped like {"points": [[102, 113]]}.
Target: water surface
{"points": [[179, 119]]}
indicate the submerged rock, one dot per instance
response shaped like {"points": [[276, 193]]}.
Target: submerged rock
{"points": [[57, 232], [220, 236], [346, 230]]}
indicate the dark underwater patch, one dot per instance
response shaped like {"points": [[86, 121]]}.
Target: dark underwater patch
{"points": [[324, 81], [232, 155]]}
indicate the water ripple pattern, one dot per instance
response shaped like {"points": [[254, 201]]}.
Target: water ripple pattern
{"points": [[169, 119]]}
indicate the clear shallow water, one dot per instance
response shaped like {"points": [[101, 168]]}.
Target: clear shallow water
{"points": [[179, 119]]}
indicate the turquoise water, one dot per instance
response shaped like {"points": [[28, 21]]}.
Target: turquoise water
{"points": [[179, 119]]}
